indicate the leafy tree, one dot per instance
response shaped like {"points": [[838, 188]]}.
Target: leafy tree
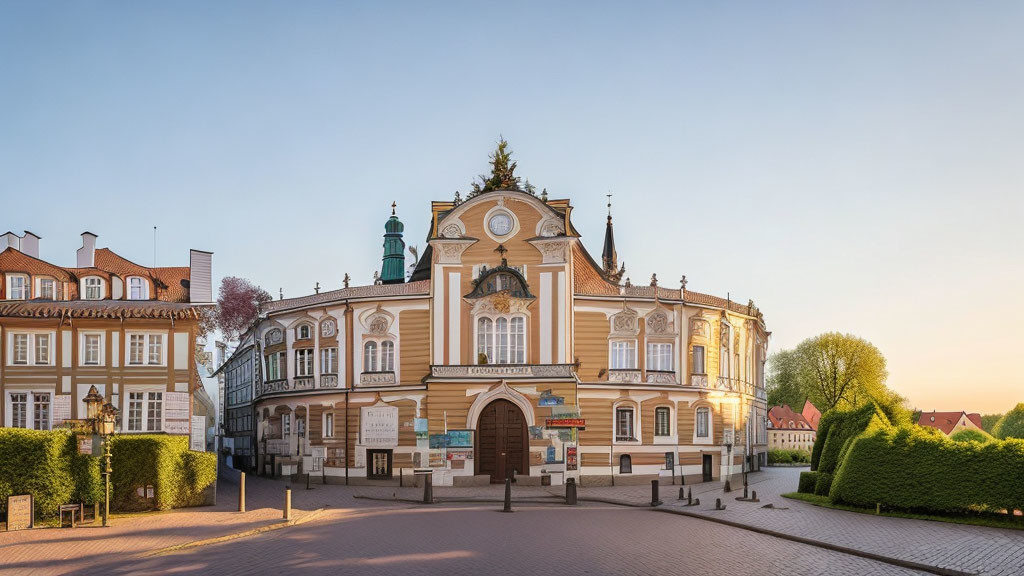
{"points": [[783, 380], [970, 435], [988, 421], [1011, 425], [238, 303], [503, 175]]}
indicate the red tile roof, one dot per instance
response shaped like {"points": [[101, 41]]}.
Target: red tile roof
{"points": [[419, 288], [785, 418], [944, 421], [811, 414], [13, 260], [98, 309]]}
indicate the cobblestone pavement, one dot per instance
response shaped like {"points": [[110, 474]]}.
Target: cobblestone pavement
{"points": [[354, 533]]}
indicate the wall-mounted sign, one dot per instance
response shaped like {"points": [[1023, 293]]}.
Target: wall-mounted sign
{"points": [[565, 423], [85, 445], [20, 512], [460, 454], [176, 413], [61, 409], [439, 441], [277, 446], [460, 438], [670, 460], [197, 441], [571, 461], [378, 425], [549, 399]]}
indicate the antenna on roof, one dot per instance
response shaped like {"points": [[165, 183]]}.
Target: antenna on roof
{"points": [[154, 246]]}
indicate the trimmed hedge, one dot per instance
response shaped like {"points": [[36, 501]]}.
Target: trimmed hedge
{"points": [[47, 465], [808, 482], [918, 469], [824, 484], [971, 435], [177, 475], [788, 457], [841, 428], [1011, 425]]}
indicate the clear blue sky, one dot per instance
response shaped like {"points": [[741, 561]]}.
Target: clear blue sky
{"points": [[850, 166]]}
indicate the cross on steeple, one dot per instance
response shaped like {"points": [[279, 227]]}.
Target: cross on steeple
{"points": [[393, 206], [609, 195]]}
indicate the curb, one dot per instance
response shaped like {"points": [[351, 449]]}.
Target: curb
{"points": [[228, 537]]}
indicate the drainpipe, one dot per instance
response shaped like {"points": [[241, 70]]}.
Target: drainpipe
{"points": [[348, 376]]}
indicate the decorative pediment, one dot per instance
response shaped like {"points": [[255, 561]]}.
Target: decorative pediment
{"points": [[552, 250], [660, 323], [453, 228], [699, 327], [274, 336], [378, 322], [449, 251], [550, 227], [499, 303], [328, 328], [625, 323]]}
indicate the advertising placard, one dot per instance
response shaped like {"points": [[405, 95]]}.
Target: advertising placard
{"points": [[378, 426], [61, 409], [197, 441], [20, 512], [176, 413]]}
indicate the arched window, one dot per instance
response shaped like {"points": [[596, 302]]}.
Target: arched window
{"points": [[92, 288], [387, 356], [370, 357], [662, 421], [703, 422], [625, 430], [501, 340], [500, 279], [625, 464], [138, 289], [305, 332]]}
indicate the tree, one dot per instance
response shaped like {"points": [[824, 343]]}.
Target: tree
{"points": [[988, 421], [503, 170], [238, 304], [833, 370], [970, 435], [1011, 425]]}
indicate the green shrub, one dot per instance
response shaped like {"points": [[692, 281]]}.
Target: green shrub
{"points": [[782, 456], [970, 435], [47, 465], [916, 468], [178, 476], [1011, 425], [808, 481], [844, 426], [824, 483]]}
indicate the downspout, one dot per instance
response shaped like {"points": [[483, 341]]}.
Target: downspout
{"points": [[348, 376]]}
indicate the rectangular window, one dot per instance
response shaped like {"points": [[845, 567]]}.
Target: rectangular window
{"points": [[328, 425], [92, 349], [145, 411], [518, 337], [136, 290], [286, 425], [42, 349], [19, 410], [47, 289], [154, 412], [624, 424], [41, 411], [156, 348], [662, 421], [329, 361], [698, 360], [19, 288], [273, 367], [136, 345], [703, 415], [304, 362], [623, 355], [387, 356], [659, 356], [93, 289], [136, 400], [20, 349]]}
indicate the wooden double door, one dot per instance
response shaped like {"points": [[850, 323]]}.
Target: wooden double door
{"points": [[502, 445]]}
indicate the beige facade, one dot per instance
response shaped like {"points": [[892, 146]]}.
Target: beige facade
{"points": [[510, 344]]}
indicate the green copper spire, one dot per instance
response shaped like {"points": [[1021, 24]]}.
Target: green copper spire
{"points": [[393, 270]]}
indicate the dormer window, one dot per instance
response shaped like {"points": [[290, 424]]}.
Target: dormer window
{"points": [[17, 287], [92, 288], [304, 332], [138, 288], [46, 289]]}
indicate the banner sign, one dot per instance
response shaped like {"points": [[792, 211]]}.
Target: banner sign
{"points": [[460, 438], [565, 423], [571, 461]]}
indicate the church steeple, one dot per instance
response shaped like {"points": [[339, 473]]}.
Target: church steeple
{"points": [[609, 258], [393, 268]]}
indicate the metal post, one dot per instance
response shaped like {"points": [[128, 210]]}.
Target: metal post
{"points": [[570, 492], [288, 503], [106, 473], [428, 488], [508, 495], [655, 500], [307, 481], [241, 493]]}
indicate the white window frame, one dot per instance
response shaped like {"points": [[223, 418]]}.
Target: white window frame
{"points": [[279, 366], [371, 355], [26, 287], [669, 438], [703, 360], [31, 342], [39, 281], [659, 364], [309, 331], [508, 346], [86, 285], [709, 439], [30, 408], [143, 288], [101, 352], [637, 437], [329, 360], [385, 355], [304, 364], [328, 427], [148, 339], [630, 345], [147, 401]]}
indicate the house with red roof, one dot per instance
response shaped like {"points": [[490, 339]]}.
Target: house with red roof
{"points": [[950, 422], [789, 429]]}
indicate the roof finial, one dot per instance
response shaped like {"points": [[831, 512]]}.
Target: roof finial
{"points": [[280, 293], [654, 279], [346, 280], [609, 195], [393, 206], [682, 283], [317, 288]]}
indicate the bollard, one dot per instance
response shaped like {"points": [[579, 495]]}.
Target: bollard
{"points": [[241, 493], [508, 495], [307, 481], [744, 490], [287, 502], [696, 502], [428, 488], [753, 496], [718, 504], [570, 492], [728, 487], [682, 493], [689, 498], [655, 500]]}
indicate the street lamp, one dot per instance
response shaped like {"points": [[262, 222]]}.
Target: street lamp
{"points": [[93, 401], [104, 422]]}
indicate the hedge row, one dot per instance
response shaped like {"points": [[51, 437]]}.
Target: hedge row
{"points": [[971, 435], [808, 481], [47, 465], [788, 457], [918, 469], [837, 428]]}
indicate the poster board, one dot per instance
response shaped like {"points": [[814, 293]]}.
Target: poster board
{"points": [[197, 439], [176, 410], [378, 426], [61, 409], [20, 512]]}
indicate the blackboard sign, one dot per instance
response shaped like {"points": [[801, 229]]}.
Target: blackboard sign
{"points": [[20, 512], [670, 460]]}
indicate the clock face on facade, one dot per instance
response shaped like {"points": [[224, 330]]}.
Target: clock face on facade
{"points": [[500, 224]]}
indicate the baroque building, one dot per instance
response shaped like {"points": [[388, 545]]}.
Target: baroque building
{"points": [[508, 350], [128, 330]]}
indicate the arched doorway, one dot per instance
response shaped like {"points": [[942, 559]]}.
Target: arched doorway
{"points": [[502, 444]]}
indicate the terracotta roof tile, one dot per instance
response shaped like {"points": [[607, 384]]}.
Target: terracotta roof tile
{"points": [[12, 260], [944, 421], [785, 418], [99, 309], [421, 288], [811, 414]]}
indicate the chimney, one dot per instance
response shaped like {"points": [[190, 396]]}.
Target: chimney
{"points": [[87, 253], [200, 279], [10, 240], [30, 244]]}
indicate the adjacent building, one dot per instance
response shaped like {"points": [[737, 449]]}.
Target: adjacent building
{"points": [[508, 350], [127, 329], [950, 422], [792, 430]]}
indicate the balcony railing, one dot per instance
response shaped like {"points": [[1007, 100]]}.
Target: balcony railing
{"points": [[502, 371], [328, 380], [699, 380], [661, 377], [303, 383], [272, 387], [619, 375], [377, 379]]}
